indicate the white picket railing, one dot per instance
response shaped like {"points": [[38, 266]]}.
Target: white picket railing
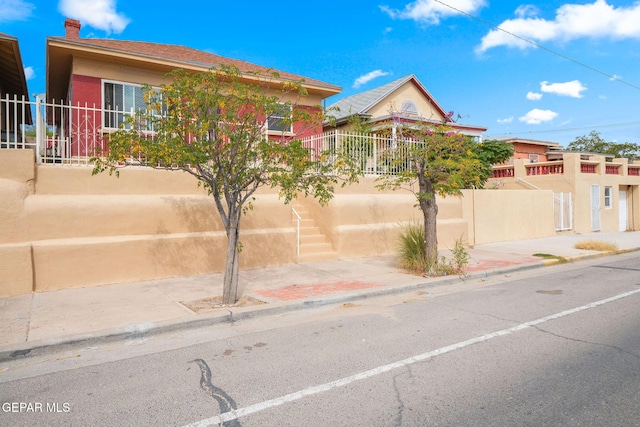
{"points": [[374, 154], [14, 114], [72, 135]]}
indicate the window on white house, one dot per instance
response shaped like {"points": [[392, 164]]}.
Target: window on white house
{"points": [[120, 100], [607, 198], [280, 121]]}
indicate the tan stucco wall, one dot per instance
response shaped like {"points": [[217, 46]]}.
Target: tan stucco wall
{"points": [[579, 185], [368, 224], [61, 227], [56, 180], [17, 173], [81, 240], [497, 216], [362, 213]]}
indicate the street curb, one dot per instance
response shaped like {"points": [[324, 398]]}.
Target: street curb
{"points": [[140, 331]]}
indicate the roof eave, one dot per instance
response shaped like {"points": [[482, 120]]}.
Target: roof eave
{"points": [[18, 72], [324, 90]]}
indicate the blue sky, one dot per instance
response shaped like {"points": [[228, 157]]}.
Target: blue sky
{"points": [[558, 70]]}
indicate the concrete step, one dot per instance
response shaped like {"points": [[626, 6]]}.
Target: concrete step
{"points": [[310, 231], [307, 223], [308, 248], [318, 257], [312, 238], [301, 211], [314, 245]]}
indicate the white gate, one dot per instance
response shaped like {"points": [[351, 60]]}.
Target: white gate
{"points": [[563, 211]]}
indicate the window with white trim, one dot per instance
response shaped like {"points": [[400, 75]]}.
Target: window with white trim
{"points": [[280, 121], [607, 198], [120, 100]]}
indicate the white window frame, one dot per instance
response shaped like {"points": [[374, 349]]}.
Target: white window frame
{"points": [[274, 118], [112, 113], [608, 197]]}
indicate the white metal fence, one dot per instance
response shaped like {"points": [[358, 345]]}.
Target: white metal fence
{"points": [[72, 135], [374, 154], [58, 133], [15, 113]]}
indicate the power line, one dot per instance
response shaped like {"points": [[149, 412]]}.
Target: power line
{"points": [[531, 42], [574, 129]]}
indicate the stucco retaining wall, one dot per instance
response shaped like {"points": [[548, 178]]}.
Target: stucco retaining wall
{"points": [[61, 227], [504, 215]]}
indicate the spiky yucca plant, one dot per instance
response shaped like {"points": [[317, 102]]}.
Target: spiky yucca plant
{"points": [[413, 258], [411, 253]]}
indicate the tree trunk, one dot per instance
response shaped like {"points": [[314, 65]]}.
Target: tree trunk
{"points": [[429, 209], [230, 283], [430, 213]]}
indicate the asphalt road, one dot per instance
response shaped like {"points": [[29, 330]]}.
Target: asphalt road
{"points": [[558, 346]]}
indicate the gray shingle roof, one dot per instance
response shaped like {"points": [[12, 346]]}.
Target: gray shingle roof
{"points": [[360, 103]]}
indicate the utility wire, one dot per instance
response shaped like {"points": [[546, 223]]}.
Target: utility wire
{"points": [[576, 128], [612, 77]]}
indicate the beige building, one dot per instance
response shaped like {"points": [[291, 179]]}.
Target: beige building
{"points": [[605, 192], [404, 98]]}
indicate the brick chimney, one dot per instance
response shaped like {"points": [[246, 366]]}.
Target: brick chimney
{"points": [[72, 27]]}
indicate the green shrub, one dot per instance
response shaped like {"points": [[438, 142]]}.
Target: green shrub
{"points": [[460, 255], [411, 254], [412, 257]]}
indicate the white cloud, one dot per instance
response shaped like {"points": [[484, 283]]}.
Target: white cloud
{"points": [[368, 77], [29, 73], [507, 120], [573, 88], [533, 96], [537, 116], [15, 10], [527, 10], [99, 14], [430, 11], [572, 21]]}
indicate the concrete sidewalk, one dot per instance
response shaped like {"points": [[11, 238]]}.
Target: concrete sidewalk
{"points": [[35, 323]]}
